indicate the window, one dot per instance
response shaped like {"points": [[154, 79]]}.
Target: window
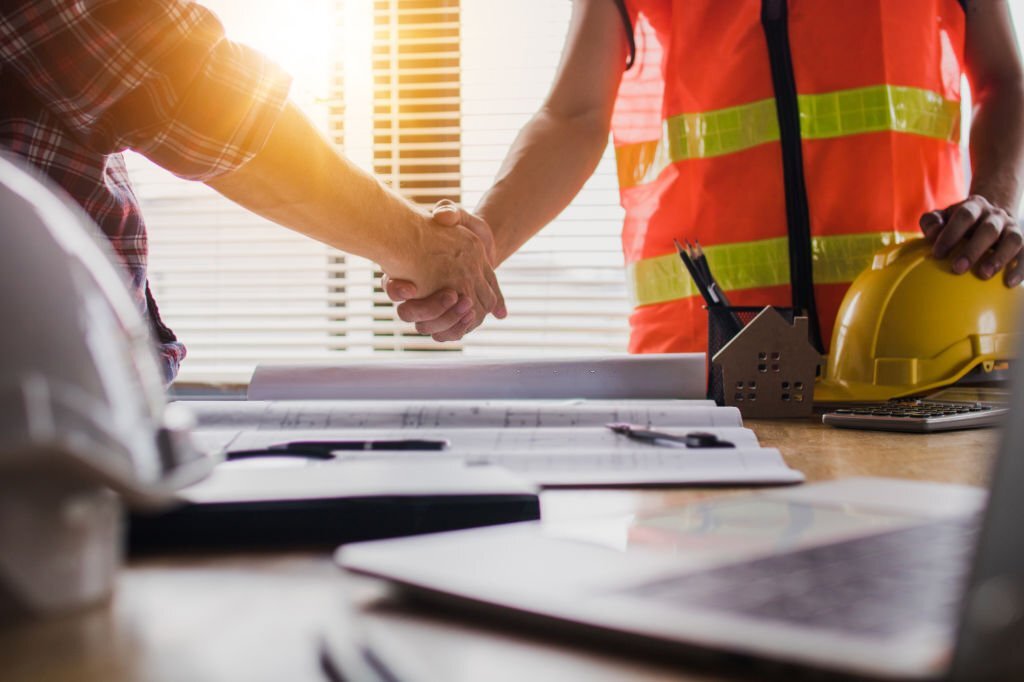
{"points": [[414, 91]]}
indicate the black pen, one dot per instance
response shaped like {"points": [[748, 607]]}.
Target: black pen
{"points": [[325, 449], [394, 444], [694, 439]]}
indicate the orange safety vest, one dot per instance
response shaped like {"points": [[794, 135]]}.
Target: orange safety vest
{"points": [[792, 139]]}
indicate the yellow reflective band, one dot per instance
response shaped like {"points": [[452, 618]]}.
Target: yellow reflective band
{"points": [[752, 265], [878, 108], [833, 114]]}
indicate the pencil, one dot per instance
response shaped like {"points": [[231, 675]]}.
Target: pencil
{"points": [[697, 275]]}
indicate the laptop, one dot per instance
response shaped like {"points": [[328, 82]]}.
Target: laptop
{"points": [[877, 578]]}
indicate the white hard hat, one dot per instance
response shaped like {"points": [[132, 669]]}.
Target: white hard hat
{"points": [[83, 420]]}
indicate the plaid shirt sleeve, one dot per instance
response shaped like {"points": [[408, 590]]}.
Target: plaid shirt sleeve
{"points": [[155, 76]]}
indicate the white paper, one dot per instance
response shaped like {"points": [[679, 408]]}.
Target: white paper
{"points": [[740, 465], [675, 375], [563, 456], [353, 479], [485, 442], [337, 414]]}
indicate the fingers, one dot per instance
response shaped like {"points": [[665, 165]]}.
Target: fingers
{"points": [[450, 214], [961, 218], [498, 310], [1006, 251], [398, 290], [987, 231], [464, 325], [447, 320], [1015, 273], [988, 236], [486, 298], [446, 213], [428, 308], [931, 223], [482, 230], [457, 264]]}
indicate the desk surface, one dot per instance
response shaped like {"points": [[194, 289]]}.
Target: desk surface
{"points": [[258, 617]]}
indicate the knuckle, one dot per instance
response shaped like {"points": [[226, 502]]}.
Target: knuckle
{"points": [[989, 228], [967, 212], [977, 201], [1013, 237]]}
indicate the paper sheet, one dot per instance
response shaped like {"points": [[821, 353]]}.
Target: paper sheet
{"points": [[676, 375], [328, 414], [561, 456], [475, 442]]}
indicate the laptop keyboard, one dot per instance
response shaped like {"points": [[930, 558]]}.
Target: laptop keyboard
{"points": [[878, 585]]}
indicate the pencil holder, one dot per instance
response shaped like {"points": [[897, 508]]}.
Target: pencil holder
{"points": [[770, 371]]}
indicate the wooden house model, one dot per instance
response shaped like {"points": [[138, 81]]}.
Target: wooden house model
{"points": [[768, 369]]}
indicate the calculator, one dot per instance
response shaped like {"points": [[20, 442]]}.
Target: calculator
{"points": [[943, 411]]}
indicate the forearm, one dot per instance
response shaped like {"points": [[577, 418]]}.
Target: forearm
{"points": [[997, 144], [299, 180], [545, 168]]}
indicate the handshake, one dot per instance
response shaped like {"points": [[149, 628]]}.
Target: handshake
{"points": [[445, 283]]}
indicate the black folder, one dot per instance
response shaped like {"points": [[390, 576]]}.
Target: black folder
{"points": [[327, 504]]}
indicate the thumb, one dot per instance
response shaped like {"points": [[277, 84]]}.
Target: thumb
{"points": [[446, 214]]}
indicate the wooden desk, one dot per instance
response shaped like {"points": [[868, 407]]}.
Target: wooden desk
{"points": [[257, 617]]}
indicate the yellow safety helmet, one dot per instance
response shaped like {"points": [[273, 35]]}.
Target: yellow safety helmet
{"points": [[909, 324]]}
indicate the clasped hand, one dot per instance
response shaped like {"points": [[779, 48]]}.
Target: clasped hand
{"points": [[454, 274]]}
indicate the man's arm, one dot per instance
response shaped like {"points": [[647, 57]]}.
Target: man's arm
{"points": [[299, 180], [553, 155], [558, 150], [985, 222], [161, 78]]}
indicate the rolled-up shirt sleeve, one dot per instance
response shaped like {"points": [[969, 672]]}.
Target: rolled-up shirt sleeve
{"points": [[156, 76]]}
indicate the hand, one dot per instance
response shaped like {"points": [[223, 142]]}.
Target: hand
{"points": [[990, 236], [444, 314]]}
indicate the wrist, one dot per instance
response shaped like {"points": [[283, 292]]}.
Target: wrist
{"points": [[997, 195], [401, 234], [504, 245]]}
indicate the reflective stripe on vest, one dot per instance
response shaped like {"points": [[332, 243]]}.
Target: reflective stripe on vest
{"points": [[834, 114], [751, 265]]}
